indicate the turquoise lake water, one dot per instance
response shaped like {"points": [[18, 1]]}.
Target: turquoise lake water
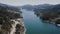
{"points": [[34, 25]]}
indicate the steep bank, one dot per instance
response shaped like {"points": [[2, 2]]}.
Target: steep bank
{"points": [[11, 21], [49, 15]]}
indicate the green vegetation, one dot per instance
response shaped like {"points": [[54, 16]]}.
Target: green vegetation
{"points": [[51, 15], [19, 29], [6, 15]]}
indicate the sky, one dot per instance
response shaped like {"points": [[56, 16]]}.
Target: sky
{"points": [[32, 2]]}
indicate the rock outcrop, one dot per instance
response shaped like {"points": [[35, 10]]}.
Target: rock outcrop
{"points": [[11, 21]]}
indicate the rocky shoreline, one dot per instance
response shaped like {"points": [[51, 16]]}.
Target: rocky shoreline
{"points": [[11, 21], [18, 26]]}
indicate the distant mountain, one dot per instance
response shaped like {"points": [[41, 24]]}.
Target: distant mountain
{"points": [[9, 6], [27, 7], [56, 8], [44, 6], [41, 6], [47, 9]]}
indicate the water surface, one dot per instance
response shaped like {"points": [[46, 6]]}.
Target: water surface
{"points": [[34, 25]]}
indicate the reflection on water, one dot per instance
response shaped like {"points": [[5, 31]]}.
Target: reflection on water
{"points": [[34, 24]]}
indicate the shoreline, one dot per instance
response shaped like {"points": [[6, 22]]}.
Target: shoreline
{"points": [[22, 26]]}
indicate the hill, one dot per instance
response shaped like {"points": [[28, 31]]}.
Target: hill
{"points": [[52, 15], [10, 20]]}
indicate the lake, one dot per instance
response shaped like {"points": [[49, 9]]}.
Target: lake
{"points": [[34, 25]]}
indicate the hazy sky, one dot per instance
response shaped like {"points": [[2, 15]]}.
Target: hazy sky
{"points": [[33, 2]]}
